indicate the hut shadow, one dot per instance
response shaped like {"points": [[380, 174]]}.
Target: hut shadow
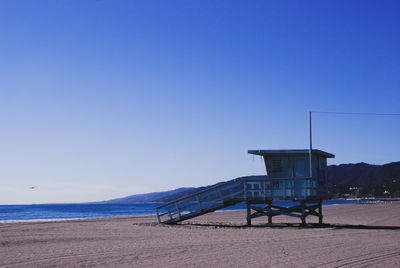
{"points": [[295, 226]]}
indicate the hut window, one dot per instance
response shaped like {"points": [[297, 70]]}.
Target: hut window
{"points": [[277, 165]]}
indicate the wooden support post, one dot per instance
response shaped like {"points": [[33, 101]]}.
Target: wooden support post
{"points": [[169, 214], [179, 212], [248, 214], [320, 212], [269, 214], [198, 202], [303, 213], [158, 216]]}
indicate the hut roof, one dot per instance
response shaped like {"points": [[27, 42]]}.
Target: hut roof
{"points": [[290, 152]]}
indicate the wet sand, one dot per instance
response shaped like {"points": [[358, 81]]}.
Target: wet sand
{"points": [[357, 235]]}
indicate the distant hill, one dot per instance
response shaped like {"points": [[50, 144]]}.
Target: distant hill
{"points": [[150, 197], [346, 180], [364, 180], [161, 197]]}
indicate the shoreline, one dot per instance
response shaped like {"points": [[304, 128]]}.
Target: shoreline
{"points": [[367, 201], [73, 219]]}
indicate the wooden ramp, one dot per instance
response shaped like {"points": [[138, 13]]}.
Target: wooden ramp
{"points": [[209, 200]]}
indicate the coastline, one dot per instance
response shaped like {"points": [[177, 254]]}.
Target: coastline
{"points": [[353, 234], [67, 212]]}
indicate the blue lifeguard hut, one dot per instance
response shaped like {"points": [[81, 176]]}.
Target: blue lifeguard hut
{"points": [[298, 176], [293, 175]]}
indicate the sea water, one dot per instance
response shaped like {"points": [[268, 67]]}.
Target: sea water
{"points": [[51, 212]]}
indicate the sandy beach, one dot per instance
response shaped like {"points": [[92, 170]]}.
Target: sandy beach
{"points": [[357, 235]]}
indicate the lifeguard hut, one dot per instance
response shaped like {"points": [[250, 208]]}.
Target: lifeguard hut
{"points": [[298, 176], [290, 176]]}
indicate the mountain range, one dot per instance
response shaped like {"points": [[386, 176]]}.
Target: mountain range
{"points": [[364, 180], [345, 180]]}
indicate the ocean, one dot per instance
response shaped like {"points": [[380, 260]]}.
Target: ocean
{"points": [[51, 212]]}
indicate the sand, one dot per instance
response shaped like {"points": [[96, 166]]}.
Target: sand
{"points": [[357, 235]]}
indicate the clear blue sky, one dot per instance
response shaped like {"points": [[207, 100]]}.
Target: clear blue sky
{"points": [[102, 99]]}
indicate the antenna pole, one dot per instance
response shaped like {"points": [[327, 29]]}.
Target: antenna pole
{"points": [[309, 124]]}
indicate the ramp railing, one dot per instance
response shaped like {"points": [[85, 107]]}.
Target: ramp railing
{"points": [[279, 189], [202, 202]]}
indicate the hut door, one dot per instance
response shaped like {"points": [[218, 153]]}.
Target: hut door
{"points": [[300, 174], [300, 167]]}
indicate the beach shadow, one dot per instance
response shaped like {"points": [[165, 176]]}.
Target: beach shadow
{"points": [[293, 225]]}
